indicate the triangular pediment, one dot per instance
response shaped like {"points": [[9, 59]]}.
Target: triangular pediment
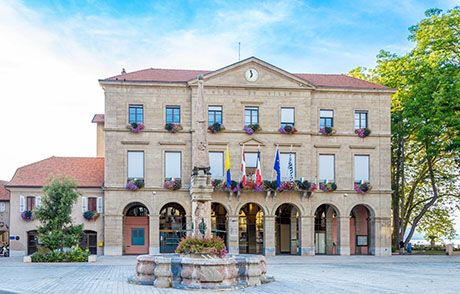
{"points": [[254, 141], [268, 76]]}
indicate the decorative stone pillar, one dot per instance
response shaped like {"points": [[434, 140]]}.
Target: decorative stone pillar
{"points": [[269, 235], [162, 272], [154, 233], [201, 194], [382, 236], [294, 236], [344, 235], [254, 271], [307, 235], [233, 240]]}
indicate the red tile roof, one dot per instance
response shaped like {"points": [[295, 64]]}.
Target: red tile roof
{"points": [[98, 118], [87, 171], [183, 75], [4, 194]]}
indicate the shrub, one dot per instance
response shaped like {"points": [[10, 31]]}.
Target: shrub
{"points": [[76, 254], [213, 247]]}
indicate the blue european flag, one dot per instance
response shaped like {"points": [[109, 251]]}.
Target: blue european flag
{"points": [[277, 168]]}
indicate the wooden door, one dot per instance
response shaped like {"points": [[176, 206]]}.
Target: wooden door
{"points": [[136, 235]]}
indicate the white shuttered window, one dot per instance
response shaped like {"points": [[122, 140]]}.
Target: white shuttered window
{"points": [[99, 204], [361, 168], [84, 204], [22, 204], [326, 168], [135, 164], [216, 160], [172, 165]]}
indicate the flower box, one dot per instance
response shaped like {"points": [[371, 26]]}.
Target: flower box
{"points": [[216, 128], [202, 247], [327, 131], [306, 186], [327, 187], [173, 128], [251, 129], [90, 215], [362, 188], [363, 133], [135, 127], [27, 215], [172, 184], [287, 130], [135, 184], [251, 186]]}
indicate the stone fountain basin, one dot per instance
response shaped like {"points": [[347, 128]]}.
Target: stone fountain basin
{"points": [[201, 273]]}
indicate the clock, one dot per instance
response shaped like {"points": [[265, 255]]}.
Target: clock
{"points": [[252, 75]]}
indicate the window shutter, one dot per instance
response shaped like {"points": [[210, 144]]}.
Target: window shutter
{"points": [[21, 204], [37, 201], [2, 207], [99, 204], [84, 204]]}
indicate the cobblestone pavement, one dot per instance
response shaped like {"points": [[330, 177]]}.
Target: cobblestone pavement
{"points": [[293, 274]]}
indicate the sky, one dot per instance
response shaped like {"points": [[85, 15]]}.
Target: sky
{"points": [[52, 53]]}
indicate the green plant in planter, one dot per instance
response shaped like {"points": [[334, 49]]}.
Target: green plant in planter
{"points": [[213, 247], [90, 215]]}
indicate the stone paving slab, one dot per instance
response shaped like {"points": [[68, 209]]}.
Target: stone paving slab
{"points": [[293, 274]]}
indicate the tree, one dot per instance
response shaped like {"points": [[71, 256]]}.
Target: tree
{"points": [[56, 230], [425, 125]]}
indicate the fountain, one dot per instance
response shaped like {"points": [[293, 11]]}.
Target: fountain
{"points": [[201, 272]]}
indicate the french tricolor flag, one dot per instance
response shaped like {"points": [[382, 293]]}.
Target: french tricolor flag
{"points": [[258, 171], [243, 168]]}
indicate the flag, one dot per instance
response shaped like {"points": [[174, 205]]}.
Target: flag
{"points": [[258, 171], [227, 169], [276, 167], [243, 169], [291, 169]]}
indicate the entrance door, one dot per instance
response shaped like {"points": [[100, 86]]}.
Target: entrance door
{"points": [[251, 229], [136, 235], [32, 241]]}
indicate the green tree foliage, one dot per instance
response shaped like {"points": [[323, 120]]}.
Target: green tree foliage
{"points": [[56, 230], [425, 125]]}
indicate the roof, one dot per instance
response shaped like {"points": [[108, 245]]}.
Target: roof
{"points": [[87, 171], [4, 193], [98, 118], [185, 75]]}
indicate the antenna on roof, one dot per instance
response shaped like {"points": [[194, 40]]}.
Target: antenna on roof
{"points": [[123, 71], [239, 51]]}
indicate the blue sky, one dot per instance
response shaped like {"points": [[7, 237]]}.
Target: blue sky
{"points": [[53, 53]]}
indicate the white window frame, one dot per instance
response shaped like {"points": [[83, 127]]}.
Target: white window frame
{"points": [[285, 120], [322, 174], [167, 174], [214, 170], [132, 171], [360, 172]]}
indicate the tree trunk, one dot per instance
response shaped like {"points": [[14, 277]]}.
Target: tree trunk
{"points": [[427, 205], [402, 224]]}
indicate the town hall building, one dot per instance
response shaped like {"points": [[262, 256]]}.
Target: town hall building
{"points": [[331, 134]]}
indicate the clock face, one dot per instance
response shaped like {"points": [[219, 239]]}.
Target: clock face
{"points": [[252, 75]]}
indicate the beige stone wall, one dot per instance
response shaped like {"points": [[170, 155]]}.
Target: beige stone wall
{"points": [[100, 140], [19, 227], [273, 90]]}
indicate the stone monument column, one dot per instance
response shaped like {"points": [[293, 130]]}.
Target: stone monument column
{"points": [[201, 187]]}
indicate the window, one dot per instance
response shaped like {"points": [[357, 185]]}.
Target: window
{"points": [[287, 117], [214, 115], [92, 204], [216, 160], [251, 165], [284, 166], [135, 164], [136, 114], [362, 168], [172, 165], [326, 118], [251, 115], [360, 119], [173, 114], [30, 203], [326, 168]]}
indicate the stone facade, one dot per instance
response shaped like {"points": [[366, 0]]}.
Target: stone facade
{"points": [[273, 90]]}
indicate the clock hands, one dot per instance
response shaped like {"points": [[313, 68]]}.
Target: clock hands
{"points": [[251, 73]]}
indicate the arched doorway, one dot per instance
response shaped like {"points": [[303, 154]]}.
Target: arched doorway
{"points": [[136, 229], [326, 230], [89, 240], [219, 221], [287, 229], [173, 227], [251, 229], [32, 242], [360, 230]]}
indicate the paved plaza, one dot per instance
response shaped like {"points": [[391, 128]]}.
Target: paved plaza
{"points": [[293, 274]]}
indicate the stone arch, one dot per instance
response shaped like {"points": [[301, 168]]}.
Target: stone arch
{"points": [[287, 228], [298, 207], [370, 207], [133, 204], [136, 226], [330, 203], [128, 201], [172, 226], [184, 204], [362, 229], [241, 205], [326, 228], [251, 228]]}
